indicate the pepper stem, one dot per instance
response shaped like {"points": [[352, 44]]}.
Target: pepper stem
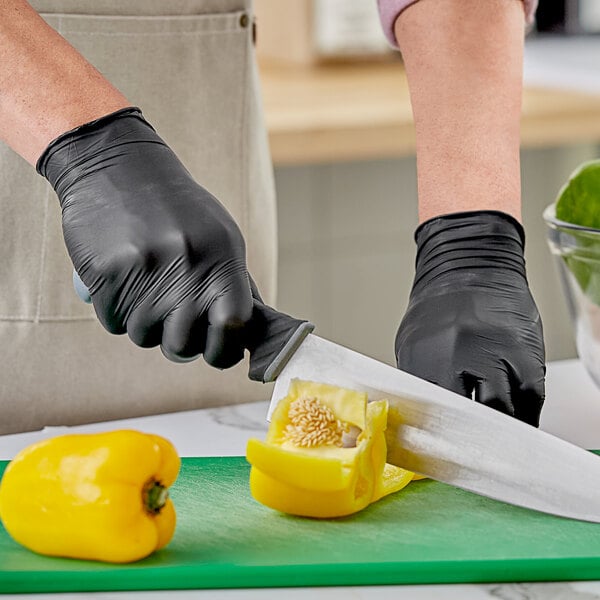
{"points": [[154, 496]]}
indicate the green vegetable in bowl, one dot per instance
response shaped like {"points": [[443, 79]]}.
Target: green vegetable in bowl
{"points": [[579, 199], [578, 203]]}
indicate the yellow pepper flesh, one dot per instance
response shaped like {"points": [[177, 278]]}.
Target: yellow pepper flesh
{"points": [[325, 480], [96, 496]]}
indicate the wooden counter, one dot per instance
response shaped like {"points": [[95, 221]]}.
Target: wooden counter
{"points": [[357, 112]]}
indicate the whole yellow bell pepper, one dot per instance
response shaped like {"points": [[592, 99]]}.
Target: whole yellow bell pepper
{"points": [[324, 454], [99, 496]]}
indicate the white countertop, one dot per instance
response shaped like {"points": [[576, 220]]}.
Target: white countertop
{"points": [[572, 411]]}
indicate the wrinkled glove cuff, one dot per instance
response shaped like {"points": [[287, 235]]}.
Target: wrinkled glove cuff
{"points": [[467, 241], [44, 165]]}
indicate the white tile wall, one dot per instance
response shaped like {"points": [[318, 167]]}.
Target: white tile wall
{"points": [[346, 247]]}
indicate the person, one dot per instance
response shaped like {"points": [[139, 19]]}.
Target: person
{"points": [[190, 65], [471, 325], [165, 259]]}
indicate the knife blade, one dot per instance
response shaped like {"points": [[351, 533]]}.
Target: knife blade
{"points": [[431, 430]]}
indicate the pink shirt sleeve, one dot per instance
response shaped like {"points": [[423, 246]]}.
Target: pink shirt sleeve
{"points": [[390, 9]]}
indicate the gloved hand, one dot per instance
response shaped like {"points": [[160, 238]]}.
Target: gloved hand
{"points": [[471, 323], [163, 260]]}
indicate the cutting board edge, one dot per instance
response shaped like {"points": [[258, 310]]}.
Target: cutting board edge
{"points": [[327, 575]]}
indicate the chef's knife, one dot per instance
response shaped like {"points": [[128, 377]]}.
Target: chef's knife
{"points": [[430, 430]]}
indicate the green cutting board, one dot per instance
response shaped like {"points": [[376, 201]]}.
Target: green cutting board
{"points": [[427, 533]]}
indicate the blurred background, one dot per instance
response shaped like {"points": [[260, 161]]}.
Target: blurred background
{"points": [[340, 129]]}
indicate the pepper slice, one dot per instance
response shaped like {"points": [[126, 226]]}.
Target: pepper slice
{"points": [[303, 468], [101, 496]]}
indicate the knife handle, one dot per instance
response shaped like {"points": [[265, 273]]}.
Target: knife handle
{"points": [[272, 336]]}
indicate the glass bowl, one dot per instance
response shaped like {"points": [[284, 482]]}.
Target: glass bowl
{"points": [[577, 253]]}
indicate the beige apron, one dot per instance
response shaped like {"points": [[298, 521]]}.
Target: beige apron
{"points": [[189, 65]]}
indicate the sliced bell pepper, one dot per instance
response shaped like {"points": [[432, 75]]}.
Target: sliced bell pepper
{"points": [[324, 454], [101, 496]]}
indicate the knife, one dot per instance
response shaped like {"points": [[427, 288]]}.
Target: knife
{"points": [[431, 430]]}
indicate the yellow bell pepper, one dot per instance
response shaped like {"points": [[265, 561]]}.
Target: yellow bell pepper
{"points": [[96, 496], [324, 454]]}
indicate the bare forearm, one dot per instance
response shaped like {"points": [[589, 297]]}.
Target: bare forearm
{"points": [[46, 86], [464, 65]]}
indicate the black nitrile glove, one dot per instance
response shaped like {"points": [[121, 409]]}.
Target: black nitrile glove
{"points": [[163, 260], [471, 323]]}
